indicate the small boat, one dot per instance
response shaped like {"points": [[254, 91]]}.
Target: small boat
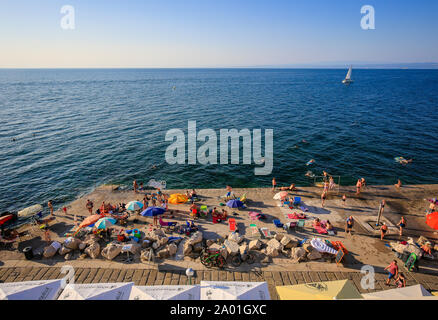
{"points": [[347, 79]]}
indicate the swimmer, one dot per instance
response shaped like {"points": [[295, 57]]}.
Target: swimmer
{"points": [[405, 162], [304, 141]]}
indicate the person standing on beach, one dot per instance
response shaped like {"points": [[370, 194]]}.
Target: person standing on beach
{"points": [[401, 225], [349, 225], [398, 184], [344, 199], [89, 206], [380, 213], [49, 204], [274, 184], [358, 186], [363, 183], [383, 230], [392, 271], [323, 197], [135, 185]]}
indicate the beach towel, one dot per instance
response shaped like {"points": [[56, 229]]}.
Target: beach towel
{"points": [[304, 208], [320, 230], [232, 224], [296, 216]]}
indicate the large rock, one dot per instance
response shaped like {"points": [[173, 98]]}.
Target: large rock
{"points": [[155, 245], [93, 250], [279, 236], [314, 255], [163, 253], [51, 250], [275, 244], [232, 247], [195, 238], [188, 248], [308, 247], [197, 248], [111, 251], [89, 239], [146, 243], [243, 250], [147, 255], [72, 243], [63, 250], [255, 245], [154, 235], [288, 242], [272, 251], [235, 236], [298, 254], [172, 248], [162, 241]]}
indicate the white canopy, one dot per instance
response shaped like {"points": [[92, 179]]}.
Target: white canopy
{"points": [[222, 290], [165, 292], [31, 290], [97, 291], [407, 293]]}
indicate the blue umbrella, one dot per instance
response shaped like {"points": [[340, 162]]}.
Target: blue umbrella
{"points": [[235, 203], [153, 211], [134, 205]]}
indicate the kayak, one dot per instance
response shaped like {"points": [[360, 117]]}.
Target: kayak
{"points": [[6, 218], [30, 211]]}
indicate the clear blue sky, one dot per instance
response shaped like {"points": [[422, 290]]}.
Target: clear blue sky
{"points": [[219, 33]]}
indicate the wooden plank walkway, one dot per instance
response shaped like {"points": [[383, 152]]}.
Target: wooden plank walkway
{"points": [[155, 277]]}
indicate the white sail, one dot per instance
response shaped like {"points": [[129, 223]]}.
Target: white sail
{"points": [[348, 77]]}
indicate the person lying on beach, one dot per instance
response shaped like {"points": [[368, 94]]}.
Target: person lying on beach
{"points": [[329, 226], [290, 188], [316, 223]]}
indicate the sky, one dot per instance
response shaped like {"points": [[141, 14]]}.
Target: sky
{"points": [[219, 33]]}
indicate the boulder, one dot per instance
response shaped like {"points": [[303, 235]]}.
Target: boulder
{"points": [[154, 235], [279, 236], [91, 238], [111, 251], [308, 247], [210, 242], [63, 250], [232, 247], [235, 236], [146, 243], [298, 254], [155, 245], [51, 250], [163, 253], [275, 244], [272, 251], [215, 247], [172, 248], [147, 255], [255, 245], [82, 256], [72, 243], [197, 248], [93, 250], [314, 255], [162, 241], [82, 246], [288, 242], [68, 256], [187, 249], [243, 250], [266, 259], [195, 238]]}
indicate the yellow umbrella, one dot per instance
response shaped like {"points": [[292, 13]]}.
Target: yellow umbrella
{"points": [[330, 290], [177, 198]]}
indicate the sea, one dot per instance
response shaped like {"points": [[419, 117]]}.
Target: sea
{"points": [[66, 131]]}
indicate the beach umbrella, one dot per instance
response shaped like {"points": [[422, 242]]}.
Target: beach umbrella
{"points": [[97, 291], [153, 211], [104, 223], [90, 220], [166, 292], [415, 292], [281, 195], [31, 290], [233, 290], [328, 290], [178, 198], [235, 203], [134, 206], [432, 220]]}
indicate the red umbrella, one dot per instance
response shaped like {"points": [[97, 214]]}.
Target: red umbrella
{"points": [[90, 220], [432, 220]]}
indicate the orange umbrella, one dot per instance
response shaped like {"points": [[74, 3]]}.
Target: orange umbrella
{"points": [[432, 220], [90, 220], [177, 198]]}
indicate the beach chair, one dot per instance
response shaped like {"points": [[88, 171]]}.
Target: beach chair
{"points": [[277, 223], [301, 223], [232, 224], [297, 201]]}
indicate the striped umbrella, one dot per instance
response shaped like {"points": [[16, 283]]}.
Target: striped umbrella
{"points": [[134, 206], [105, 223]]}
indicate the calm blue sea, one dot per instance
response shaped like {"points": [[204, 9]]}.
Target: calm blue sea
{"points": [[76, 129]]}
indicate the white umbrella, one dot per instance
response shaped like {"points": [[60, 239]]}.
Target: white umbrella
{"points": [[176, 292], [416, 292], [97, 291], [31, 290], [222, 290], [134, 206]]}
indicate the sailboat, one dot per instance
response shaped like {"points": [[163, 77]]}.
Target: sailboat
{"points": [[347, 79]]}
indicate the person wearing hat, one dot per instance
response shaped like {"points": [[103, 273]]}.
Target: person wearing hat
{"points": [[383, 230]]}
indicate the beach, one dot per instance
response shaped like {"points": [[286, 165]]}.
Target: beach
{"points": [[364, 247]]}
